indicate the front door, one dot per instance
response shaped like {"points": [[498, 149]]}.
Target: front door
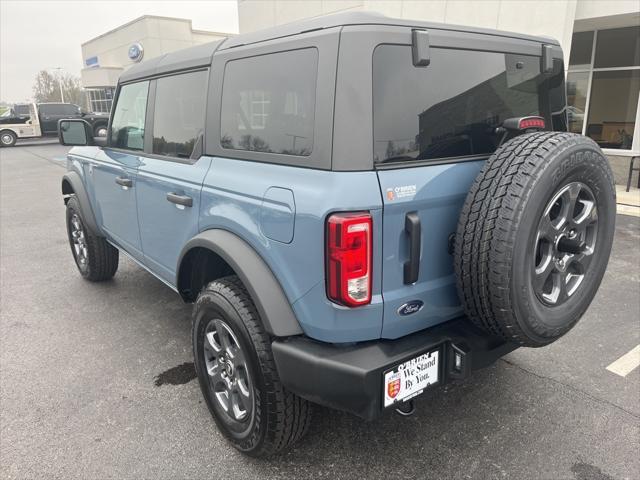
{"points": [[114, 170], [113, 175], [170, 176]]}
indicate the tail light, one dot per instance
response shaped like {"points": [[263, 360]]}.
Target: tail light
{"points": [[524, 123], [349, 247]]}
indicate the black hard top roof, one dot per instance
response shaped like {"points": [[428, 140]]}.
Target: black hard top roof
{"points": [[359, 18], [201, 55], [187, 58]]}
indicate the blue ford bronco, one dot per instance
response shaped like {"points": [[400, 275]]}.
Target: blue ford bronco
{"points": [[360, 209]]}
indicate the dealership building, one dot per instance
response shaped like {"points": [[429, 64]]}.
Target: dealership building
{"points": [[108, 55], [600, 38]]}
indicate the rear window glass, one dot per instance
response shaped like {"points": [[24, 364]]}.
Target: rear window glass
{"points": [[21, 109], [268, 103], [452, 107]]}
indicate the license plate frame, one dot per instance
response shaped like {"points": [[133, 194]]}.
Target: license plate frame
{"points": [[394, 387]]}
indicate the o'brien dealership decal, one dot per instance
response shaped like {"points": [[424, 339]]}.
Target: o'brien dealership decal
{"points": [[410, 378], [404, 191]]}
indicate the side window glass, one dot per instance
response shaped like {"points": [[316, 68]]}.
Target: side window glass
{"points": [[127, 126], [178, 120], [70, 110], [268, 103], [45, 110]]}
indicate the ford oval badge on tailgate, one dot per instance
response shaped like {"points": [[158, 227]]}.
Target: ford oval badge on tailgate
{"points": [[411, 307]]}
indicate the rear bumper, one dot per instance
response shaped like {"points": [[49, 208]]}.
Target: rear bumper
{"points": [[350, 377]]}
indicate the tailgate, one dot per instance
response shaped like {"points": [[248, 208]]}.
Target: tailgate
{"points": [[432, 195]]}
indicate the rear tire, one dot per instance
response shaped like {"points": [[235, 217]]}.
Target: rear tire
{"points": [[8, 138], [96, 259], [238, 376], [537, 194]]}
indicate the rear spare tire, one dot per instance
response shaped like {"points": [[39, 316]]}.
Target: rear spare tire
{"points": [[534, 236]]}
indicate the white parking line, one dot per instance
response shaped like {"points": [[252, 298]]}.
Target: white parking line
{"points": [[626, 363]]}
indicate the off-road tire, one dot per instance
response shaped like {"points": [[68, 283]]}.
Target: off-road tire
{"points": [[280, 418], [496, 235], [102, 258], [8, 138]]}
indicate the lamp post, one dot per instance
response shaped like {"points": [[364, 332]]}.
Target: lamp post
{"points": [[59, 70]]}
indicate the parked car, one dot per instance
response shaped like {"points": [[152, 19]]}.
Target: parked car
{"points": [[51, 113], [359, 208]]}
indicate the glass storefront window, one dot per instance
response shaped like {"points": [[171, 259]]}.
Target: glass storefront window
{"points": [[577, 87], [581, 47], [618, 47], [100, 99], [612, 109], [603, 87]]}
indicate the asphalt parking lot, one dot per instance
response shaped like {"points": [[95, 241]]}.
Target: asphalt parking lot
{"points": [[96, 381]]}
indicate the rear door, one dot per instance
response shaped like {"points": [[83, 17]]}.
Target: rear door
{"points": [[434, 127], [170, 175]]}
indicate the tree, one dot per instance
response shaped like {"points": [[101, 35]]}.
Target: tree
{"points": [[47, 88]]}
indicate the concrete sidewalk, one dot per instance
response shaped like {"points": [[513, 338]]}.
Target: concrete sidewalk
{"points": [[628, 202]]}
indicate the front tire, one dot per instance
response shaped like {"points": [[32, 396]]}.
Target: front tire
{"points": [[8, 138], [95, 258], [238, 376]]}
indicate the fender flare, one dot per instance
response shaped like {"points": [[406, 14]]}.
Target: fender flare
{"points": [[265, 289], [83, 199], [10, 129]]}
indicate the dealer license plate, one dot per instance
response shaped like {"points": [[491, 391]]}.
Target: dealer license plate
{"points": [[410, 378]]}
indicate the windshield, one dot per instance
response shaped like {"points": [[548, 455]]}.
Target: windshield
{"points": [[7, 113], [452, 107]]}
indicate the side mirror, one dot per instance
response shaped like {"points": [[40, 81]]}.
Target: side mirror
{"points": [[75, 132]]}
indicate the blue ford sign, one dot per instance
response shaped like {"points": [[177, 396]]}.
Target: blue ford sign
{"points": [[410, 307], [136, 52], [91, 62]]}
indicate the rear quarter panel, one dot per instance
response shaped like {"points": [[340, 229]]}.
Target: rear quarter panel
{"points": [[233, 199]]}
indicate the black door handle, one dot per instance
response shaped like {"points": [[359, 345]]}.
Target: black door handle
{"points": [[414, 230], [125, 182], [180, 199]]}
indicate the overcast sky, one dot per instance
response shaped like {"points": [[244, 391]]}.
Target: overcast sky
{"points": [[44, 34]]}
